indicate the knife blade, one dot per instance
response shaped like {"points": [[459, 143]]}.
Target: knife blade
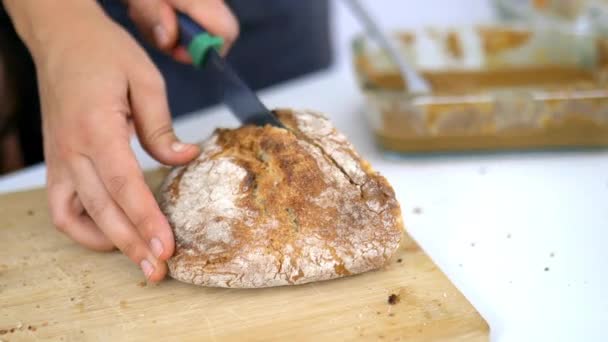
{"points": [[234, 92]]}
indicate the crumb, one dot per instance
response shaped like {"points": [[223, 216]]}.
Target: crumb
{"points": [[399, 260], [551, 255], [3, 332], [82, 332], [12, 330], [472, 244], [71, 299], [123, 304], [30, 213], [417, 210], [391, 314], [154, 321], [546, 269], [87, 287], [420, 330], [509, 236], [510, 281], [37, 306], [380, 336], [393, 299], [459, 265], [377, 312], [31, 328], [141, 284]]}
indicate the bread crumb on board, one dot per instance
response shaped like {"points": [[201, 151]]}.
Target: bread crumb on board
{"points": [[393, 299]]}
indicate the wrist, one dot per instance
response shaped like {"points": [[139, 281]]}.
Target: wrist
{"points": [[40, 23]]}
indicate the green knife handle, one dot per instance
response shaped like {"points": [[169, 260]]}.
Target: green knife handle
{"points": [[197, 40]]}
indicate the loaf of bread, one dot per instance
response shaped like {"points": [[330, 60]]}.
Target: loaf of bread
{"points": [[267, 206]]}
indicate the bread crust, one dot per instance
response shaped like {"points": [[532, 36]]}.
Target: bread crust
{"points": [[266, 206]]}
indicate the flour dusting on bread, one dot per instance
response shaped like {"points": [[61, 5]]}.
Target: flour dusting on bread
{"points": [[266, 206]]}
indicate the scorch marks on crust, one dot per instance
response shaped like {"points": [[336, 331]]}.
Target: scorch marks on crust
{"points": [[268, 207]]}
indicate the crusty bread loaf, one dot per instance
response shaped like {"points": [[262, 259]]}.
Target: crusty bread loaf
{"points": [[265, 206]]}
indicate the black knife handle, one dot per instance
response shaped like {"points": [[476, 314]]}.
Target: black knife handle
{"points": [[188, 29], [196, 39]]}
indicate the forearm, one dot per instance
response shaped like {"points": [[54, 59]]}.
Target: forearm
{"points": [[40, 22]]}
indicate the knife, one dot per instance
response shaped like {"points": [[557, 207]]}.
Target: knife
{"points": [[242, 101]]}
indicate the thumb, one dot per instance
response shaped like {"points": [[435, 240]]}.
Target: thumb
{"points": [[152, 119], [156, 21]]}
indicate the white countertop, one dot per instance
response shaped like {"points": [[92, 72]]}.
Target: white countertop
{"points": [[521, 235]]}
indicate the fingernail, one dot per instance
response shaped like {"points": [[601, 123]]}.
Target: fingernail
{"points": [[178, 146], [160, 34], [157, 247], [147, 268]]}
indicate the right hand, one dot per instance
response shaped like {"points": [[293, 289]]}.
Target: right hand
{"points": [[94, 80], [156, 20]]}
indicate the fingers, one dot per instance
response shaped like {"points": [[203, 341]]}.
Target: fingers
{"points": [[68, 217], [152, 120], [111, 219], [119, 171], [213, 15], [156, 22]]}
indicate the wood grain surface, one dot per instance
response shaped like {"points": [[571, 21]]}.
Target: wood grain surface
{"points": [[53, 289]]}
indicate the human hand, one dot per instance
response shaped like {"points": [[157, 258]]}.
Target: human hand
{"points": [[93, 80], [157, 21]]}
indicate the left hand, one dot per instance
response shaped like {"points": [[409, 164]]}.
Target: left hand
{"points": [[156, 20]]}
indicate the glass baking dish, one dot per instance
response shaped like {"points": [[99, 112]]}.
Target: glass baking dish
{"points": [[589, 16], [494, 88]]}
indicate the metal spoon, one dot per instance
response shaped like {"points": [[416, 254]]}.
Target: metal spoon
{"points": [[415, 82]]}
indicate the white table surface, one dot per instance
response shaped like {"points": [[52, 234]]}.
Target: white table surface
{"points": [[521, 235]]}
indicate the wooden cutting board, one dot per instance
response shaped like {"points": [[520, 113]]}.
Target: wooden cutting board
{"points": [[52, 289]]}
